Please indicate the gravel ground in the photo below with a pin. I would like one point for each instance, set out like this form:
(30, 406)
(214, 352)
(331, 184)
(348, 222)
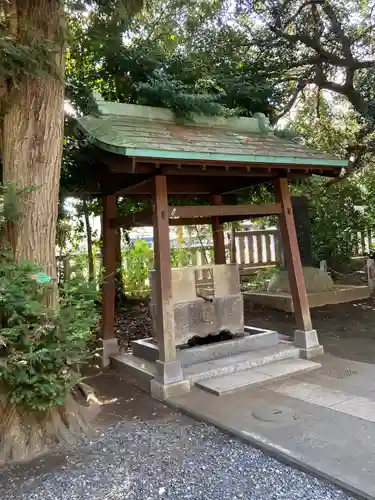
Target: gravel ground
(165, 460)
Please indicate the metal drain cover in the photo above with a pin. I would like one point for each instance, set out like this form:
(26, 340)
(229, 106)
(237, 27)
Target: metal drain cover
(339, 373)
(274, 414)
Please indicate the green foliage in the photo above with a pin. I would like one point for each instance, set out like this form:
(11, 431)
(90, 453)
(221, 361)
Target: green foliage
(316, 43)
(138, 263)
(41, 346)
(28, 45)
(337, 214)
(174, 56)
(167, 92)
(324, 125)
(338, 210)
(18, 59)
(181, 257)
(9, 206)
(258, 282)
(334, 225)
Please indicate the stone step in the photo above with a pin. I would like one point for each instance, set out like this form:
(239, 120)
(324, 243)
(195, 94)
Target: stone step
(254, 338)
(240, 362)
(257, 376)
(138, 371)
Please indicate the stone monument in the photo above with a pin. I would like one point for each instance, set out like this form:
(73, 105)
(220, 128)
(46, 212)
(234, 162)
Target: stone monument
(316, 280)
(301, 214)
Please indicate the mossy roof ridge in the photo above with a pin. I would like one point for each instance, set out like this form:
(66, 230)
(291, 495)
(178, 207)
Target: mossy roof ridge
(143, 131)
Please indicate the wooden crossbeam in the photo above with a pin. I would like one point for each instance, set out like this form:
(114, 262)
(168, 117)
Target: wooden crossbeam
(142, 219)
(137, 219)
(189, 211)
(189, 215)
(176, 185)
(189, 184)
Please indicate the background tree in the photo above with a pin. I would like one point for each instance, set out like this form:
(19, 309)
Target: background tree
(32, 68)
(317, 43)
(332, 204)
(32, 104)
(41, 344)
(172, 57)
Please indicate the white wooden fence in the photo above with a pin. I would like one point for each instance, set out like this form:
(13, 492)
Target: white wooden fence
(261, 248)
(254, 250)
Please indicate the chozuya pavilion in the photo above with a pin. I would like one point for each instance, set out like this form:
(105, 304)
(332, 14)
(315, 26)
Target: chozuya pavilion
(143, 152)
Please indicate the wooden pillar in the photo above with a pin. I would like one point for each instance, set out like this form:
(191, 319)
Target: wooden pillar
(233, 248)
(292, 257)
(305, 337)
(169, 379)
(110, 346)
(163, 274)
(218, 235)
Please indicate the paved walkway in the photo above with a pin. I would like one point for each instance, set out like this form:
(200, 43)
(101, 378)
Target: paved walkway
(323, 422)
(345, 330)
(146, 451)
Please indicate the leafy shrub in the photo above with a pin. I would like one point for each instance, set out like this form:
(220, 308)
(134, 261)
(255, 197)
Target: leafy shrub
(41, 346)
(335, 221)
(138, 263)
(258, 282)
(337, 214)
(181, 257)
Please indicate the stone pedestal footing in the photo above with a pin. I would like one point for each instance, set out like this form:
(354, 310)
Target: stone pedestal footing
(308, 343)
(169, 381)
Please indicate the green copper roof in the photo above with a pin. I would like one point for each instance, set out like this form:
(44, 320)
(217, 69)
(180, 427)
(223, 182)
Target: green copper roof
(142, 131)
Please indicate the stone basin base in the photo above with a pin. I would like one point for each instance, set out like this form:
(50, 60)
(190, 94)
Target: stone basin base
(252, 338)
(283, 301)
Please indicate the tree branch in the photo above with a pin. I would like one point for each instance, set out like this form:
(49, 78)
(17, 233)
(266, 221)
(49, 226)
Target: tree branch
(290, 104)
(337, 29)
(349, 78)
(301, 85)
(323, 53)
(309, 42)
(301, 8)
(358, 102)
(354, 97)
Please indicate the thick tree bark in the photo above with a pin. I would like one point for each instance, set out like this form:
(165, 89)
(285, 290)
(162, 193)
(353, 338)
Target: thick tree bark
(90, 254)
(33, 135)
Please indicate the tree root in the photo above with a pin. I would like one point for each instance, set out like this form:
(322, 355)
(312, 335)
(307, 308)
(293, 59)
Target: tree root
(24, 435)
(88, 392)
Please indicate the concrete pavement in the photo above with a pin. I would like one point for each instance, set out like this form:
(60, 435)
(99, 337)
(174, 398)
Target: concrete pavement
(322, 422)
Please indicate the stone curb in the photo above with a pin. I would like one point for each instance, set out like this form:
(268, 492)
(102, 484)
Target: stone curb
(268, 448)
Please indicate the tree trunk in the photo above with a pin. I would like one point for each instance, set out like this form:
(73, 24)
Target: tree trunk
(32, 138)
(89, 240)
